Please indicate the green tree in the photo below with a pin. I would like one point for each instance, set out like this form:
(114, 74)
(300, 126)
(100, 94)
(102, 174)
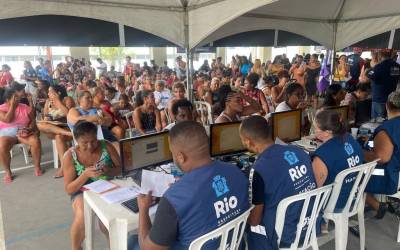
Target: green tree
(112, 54)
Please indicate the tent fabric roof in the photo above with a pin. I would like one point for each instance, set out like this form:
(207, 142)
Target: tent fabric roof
(333, 23)
(75, 31)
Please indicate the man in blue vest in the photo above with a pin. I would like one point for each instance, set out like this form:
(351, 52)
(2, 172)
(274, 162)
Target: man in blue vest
(279, 172)
(384, 76)
(210, 194)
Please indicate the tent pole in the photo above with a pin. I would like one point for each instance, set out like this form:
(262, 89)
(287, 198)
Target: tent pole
(189, 53)
(333, 51)
(189, 74)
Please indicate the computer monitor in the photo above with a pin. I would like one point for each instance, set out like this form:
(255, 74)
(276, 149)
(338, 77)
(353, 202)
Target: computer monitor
(144, 151)
(225, 139)
(287, 125)
(363, 112)
(343, 111)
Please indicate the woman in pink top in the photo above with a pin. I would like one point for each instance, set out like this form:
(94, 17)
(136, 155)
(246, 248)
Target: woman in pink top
(5, 76)
(17, 125)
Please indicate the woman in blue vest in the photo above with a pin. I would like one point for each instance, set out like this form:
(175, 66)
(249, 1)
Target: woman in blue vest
(338, 152)
(387, 149)
(86, 112)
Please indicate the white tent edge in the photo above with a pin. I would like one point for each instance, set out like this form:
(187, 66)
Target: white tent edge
(191, 23)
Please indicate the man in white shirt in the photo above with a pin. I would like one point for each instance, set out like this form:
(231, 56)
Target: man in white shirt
(102, 67)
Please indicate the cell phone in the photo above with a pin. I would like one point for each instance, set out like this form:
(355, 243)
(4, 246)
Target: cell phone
(100, 164)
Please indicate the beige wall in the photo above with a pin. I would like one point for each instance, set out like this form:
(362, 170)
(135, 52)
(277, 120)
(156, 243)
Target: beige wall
(159, 54)
(79, 52)
(222, 53)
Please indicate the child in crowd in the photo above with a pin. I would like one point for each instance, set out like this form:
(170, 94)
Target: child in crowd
(162, 96)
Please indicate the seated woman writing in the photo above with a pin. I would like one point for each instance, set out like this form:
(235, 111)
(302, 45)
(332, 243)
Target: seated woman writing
(386, 148)
(55, 110)
(88, 161)
(232, 105)
(86, 112)
(146, 117)
(17, 125)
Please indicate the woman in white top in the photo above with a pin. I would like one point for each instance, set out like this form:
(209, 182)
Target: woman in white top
(294, 98)
(232, 105)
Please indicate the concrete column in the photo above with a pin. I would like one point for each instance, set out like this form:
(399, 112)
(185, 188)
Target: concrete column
(304, 50)
(159, 54)
(79, 52)
(264, 53)
(221, 51)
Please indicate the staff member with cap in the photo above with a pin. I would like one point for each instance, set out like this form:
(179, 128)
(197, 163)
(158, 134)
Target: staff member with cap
(387, 149)
(194, 205)
(274, 178)
(17, 125)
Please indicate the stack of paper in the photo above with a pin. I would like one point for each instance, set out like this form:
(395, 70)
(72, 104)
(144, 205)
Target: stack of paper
(100, 186)
(120, 195)
(156, 182)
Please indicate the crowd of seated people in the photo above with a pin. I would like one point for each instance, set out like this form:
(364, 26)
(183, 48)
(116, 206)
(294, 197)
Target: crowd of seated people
(72, 107)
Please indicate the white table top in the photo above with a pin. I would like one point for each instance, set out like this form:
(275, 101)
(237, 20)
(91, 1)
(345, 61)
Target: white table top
(108, 212)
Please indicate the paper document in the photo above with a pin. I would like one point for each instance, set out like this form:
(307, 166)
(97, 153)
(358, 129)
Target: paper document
(120, 195)
(157, 182)
(100, 186)
(280, 142)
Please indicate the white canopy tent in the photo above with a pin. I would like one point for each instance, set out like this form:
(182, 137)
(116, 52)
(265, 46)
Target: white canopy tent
(334, 23)
(189, 23)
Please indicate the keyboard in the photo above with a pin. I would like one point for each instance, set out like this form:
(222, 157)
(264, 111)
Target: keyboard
(131, 205)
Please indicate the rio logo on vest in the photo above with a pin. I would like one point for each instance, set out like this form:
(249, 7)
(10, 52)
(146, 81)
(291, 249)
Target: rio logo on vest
(295, 172)
(352, 161)
(227, 204)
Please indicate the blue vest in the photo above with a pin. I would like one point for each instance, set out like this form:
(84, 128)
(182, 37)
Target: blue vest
(91, 111)
(205, 199)
(339, 154)
(388, 184)
(286, 171)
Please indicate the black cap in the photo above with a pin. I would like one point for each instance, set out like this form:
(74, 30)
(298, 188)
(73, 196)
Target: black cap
(17, 86)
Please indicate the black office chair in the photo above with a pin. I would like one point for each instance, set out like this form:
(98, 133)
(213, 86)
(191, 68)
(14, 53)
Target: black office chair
(363, 112)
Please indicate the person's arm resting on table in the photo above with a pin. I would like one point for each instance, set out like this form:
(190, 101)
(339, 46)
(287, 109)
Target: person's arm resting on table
(383, 148)
(258, 201)
(162, 235)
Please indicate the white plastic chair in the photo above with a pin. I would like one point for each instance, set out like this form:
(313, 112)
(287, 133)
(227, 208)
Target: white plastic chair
(129, 119)
(204, 108)
(354, 204)
(99, 135)
(397, 196)
(2, 236)
(313, 201)
(235, 226)
(169, 120)
(24, 151)
(55, 153)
